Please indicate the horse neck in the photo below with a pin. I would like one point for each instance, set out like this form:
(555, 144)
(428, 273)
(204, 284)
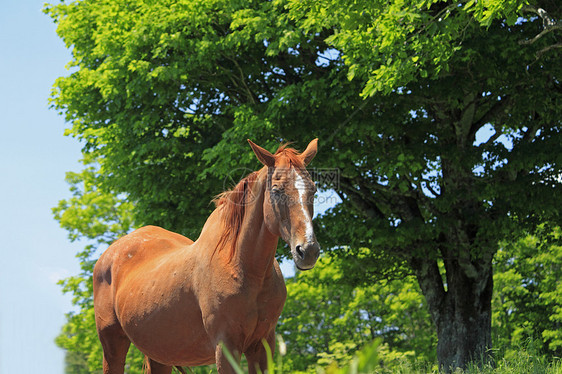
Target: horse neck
(256, 245)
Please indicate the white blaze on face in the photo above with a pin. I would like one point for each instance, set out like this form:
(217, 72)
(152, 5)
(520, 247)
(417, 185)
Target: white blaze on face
(300, 186)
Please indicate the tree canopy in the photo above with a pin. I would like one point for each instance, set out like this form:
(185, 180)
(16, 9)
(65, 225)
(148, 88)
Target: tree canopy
(441, 117)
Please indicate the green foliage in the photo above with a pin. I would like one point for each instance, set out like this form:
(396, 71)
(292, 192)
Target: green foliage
(392, 43)
(326, 320)
(75, 362)
(528, 297)
(93, 213)
(165, 106)
(175, 95)
(364, 361)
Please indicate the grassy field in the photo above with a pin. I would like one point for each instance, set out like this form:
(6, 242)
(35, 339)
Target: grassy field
(522, 365)
(368, 361)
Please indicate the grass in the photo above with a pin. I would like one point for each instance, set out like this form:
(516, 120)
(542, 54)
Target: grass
(367, 361)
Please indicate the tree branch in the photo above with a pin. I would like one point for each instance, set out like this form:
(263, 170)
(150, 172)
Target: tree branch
(546, 49)
(359, 201)
(242, 79)
(531, 132)
(420, 197)
(549, 25)
(427, 184)
(540, 35)
(493, 138)
(497, 108)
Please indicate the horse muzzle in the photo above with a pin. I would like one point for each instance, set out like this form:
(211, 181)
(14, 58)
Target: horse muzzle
(305, 255)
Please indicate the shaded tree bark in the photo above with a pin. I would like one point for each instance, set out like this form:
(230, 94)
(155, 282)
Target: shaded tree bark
(460, 309)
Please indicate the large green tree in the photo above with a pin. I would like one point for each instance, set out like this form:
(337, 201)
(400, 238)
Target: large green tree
(441, 117)
(465, 144)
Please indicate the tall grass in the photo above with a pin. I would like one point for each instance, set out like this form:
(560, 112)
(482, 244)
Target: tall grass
(525, 360)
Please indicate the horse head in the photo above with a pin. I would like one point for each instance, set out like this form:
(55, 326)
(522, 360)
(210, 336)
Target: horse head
(288, 204)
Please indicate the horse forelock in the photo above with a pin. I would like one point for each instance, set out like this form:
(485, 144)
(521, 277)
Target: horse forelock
(291, 154)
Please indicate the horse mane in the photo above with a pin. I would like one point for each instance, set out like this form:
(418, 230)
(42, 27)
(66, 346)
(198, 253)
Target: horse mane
(233, 205)
(233, 202)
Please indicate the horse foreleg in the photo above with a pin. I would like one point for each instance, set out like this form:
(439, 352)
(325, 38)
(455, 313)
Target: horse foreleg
(154, 367)
(223, 365)
(257, 355)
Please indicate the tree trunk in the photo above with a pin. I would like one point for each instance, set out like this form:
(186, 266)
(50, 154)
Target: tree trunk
(464, 320)
(460, 309)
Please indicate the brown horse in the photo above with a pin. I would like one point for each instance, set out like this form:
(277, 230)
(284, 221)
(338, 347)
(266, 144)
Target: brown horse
(180, 301)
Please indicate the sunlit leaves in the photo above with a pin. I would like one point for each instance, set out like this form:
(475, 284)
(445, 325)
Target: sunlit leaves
(326, 320)
(92, 213)
(529, 292)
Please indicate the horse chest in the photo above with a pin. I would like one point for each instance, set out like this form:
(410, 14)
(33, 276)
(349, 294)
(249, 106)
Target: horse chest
(246, 310)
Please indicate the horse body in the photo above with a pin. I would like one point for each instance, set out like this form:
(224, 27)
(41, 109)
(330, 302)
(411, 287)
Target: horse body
(178, 300)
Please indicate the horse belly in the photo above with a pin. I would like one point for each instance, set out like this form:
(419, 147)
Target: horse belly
(177, 352)
(166, 325)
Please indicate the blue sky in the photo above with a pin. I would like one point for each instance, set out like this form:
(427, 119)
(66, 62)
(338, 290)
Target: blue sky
(34, 156)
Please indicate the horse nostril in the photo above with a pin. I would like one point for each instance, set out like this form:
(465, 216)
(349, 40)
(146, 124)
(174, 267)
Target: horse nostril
(299, 251)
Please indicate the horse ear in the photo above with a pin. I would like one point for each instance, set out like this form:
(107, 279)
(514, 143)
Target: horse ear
(309, 152)
(263, 155)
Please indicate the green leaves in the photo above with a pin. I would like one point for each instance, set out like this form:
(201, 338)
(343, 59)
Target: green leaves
(326, 320)
(528, 293)
(487, 11)
(378, 37)
(92, 213)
